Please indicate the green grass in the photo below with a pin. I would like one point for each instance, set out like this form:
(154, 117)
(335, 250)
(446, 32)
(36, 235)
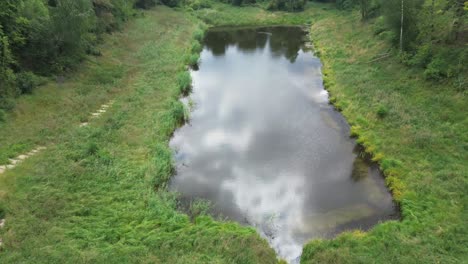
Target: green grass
(184, 80)
(98, 193)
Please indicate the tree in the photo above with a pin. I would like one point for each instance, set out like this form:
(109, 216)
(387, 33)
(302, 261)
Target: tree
(401, 17)
(458, 7)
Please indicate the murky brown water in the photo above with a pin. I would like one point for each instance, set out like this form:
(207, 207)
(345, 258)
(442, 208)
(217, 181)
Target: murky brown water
(266, 148)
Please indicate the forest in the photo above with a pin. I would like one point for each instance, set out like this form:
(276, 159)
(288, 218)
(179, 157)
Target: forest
(96, 189)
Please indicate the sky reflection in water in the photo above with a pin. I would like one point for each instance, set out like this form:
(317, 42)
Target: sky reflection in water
(267, 149)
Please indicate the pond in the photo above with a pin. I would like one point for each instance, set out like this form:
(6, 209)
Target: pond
(267, 149)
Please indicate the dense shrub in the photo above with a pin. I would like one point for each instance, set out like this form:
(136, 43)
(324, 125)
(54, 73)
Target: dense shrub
(145, 3)
(198, 4)
(171, 3)
(382, 111)
(345, 4)
(2, 119)
(286, 5)
(26, 82)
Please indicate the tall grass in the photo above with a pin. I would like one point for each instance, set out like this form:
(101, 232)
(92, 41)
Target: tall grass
(184, 81)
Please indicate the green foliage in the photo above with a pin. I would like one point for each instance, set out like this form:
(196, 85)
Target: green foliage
(382, 111)
(2, 116)
(368, 8)
(196, 47)
(446, 63)
(199, 207)
(26, 82)
(287, 5)
(2, 211)
(436, 70)
(164, 167)
(198, 35)
(345, 4)
(392, 13)
(171, 3)
(198, 4)
(146, 4)
(184, 82)
(193, 60)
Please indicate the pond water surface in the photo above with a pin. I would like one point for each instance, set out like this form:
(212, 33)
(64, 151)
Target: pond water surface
(266, 148)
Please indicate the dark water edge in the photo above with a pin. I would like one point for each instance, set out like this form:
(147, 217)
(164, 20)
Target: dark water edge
(357, 199)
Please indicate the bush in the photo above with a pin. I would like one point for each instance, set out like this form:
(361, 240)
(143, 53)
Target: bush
(382, 111)
(198, 4)
(145, 4)
(422, 57)
(26, 82)
(7, 103)
(379, 25)
(345, 4)
(286, 5)
(170, 3)
(436, 70)
(2, 116)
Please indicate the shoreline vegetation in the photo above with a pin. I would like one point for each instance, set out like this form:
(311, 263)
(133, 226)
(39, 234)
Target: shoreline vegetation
(98, 193)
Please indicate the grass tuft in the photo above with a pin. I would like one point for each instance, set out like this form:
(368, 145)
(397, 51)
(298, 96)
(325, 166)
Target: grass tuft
(184, 82)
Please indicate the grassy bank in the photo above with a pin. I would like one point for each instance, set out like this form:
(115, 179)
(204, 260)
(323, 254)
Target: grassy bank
(96, 195)
(415, 129)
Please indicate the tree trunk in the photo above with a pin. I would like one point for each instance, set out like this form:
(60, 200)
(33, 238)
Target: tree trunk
(401, 26)
(432, 20)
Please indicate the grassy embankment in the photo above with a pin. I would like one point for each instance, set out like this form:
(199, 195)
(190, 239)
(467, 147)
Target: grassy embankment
(97, 195)
(415, 129)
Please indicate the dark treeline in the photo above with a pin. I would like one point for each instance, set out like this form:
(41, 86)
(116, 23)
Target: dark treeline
(45, 37)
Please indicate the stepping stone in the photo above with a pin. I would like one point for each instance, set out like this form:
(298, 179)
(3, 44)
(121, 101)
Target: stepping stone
(10, 166)
(2, 223)
(2, 169)
(84, 124)
(14, 161)
(96, 114)
(102, 111)
(23, 157)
